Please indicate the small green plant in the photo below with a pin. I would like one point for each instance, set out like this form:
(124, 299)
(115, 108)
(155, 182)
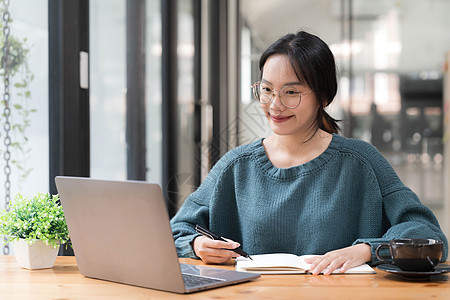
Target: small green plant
(37, 218)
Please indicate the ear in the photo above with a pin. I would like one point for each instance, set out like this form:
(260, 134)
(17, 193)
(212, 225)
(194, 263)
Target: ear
(323, 101)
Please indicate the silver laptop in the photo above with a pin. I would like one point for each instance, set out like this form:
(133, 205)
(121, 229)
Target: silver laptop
(120, 232)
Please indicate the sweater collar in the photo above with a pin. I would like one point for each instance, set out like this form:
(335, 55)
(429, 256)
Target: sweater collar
(263, 161)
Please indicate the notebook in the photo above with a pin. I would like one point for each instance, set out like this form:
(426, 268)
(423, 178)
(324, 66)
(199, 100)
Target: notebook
(120, 232)
(285, 263)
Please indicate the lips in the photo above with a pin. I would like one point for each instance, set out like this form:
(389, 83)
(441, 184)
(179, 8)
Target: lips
(280, 119)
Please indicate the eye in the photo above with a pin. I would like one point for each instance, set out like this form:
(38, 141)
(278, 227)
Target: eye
(290, 92)
(266, 89)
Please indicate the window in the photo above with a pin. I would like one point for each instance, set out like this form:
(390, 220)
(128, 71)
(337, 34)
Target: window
(108, 89)
(28, 101)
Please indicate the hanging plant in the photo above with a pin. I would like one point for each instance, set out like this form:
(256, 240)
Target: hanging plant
(20, 77)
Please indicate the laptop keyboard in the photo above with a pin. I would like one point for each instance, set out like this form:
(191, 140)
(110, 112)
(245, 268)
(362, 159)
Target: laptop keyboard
(196, 280)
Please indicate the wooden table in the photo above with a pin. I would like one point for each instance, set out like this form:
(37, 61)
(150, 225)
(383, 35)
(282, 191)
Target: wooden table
(64, 281)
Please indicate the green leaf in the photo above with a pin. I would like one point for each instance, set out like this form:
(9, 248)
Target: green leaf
(37, 217)
(20, 85)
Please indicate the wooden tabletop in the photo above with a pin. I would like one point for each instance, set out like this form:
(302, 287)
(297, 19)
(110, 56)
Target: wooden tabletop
(64, 281)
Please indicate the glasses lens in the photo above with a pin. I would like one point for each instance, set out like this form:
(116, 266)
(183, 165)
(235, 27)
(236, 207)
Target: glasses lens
(290, 96)
(265, 93)
(256, 91)
(262, 92)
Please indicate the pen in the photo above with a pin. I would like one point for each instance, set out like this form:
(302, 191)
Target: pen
(214, 236)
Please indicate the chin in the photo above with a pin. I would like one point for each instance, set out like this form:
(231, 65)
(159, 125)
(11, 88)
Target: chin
(280, 131)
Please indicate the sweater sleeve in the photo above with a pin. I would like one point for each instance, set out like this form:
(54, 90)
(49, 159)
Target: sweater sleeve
(405, 216)
(195, 210)
(183, 224)
(408, 218)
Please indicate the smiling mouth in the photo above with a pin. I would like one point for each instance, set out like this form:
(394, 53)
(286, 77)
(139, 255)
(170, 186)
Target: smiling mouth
(279, 119)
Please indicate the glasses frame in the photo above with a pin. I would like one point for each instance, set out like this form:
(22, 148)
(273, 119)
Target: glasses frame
(257, 97)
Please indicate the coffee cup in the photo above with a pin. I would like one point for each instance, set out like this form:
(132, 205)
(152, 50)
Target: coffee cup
(418, 255)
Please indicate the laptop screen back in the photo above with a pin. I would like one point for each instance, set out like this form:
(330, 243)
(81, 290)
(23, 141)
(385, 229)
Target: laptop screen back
(120, 232)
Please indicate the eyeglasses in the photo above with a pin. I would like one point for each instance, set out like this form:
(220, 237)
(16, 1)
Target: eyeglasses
(289, 96)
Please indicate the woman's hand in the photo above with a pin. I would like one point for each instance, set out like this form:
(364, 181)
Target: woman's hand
(213, 251)
(344, 259)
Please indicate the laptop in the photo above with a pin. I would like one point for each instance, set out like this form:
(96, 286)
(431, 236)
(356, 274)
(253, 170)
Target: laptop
(120, 232)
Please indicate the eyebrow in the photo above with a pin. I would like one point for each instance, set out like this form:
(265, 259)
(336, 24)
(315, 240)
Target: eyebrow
(289, 83)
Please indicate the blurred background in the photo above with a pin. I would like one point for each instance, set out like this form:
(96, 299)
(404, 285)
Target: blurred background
(159, 90)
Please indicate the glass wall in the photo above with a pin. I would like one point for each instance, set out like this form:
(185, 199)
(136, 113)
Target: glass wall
(396, 99)
(28, 88)
(185, 123)
(108, 89)
(153, 90)
(390, 56)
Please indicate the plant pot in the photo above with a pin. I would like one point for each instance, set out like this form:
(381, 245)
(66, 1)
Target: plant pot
(35, 256)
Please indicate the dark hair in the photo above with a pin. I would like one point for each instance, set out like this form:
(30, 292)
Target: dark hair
(313, 63)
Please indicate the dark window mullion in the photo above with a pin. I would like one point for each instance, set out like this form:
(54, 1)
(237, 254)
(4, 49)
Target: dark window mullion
(169, 98)
(135, 108)
(218, 87)
(198, 86)
(68, 102)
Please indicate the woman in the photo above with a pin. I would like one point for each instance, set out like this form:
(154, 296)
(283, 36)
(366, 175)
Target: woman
(304, 189)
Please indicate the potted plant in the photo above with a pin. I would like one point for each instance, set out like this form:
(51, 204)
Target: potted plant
(37, 228)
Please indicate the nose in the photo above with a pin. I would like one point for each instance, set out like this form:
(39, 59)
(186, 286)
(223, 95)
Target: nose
(276, 100)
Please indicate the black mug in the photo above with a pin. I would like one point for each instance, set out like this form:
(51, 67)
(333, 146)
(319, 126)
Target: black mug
(418, 255)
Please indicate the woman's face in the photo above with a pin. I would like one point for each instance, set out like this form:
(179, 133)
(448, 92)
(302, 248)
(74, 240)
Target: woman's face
(277, 73)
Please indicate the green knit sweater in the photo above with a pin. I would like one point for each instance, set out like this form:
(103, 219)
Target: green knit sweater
(347, 195)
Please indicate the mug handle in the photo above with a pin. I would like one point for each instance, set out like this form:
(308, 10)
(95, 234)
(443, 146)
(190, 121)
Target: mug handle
(432, 264)
(377, 252)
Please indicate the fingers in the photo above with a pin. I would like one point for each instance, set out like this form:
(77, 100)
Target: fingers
(345, 267)
(233, 244)
(327, 263)
(342, 259)
(213, 251)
